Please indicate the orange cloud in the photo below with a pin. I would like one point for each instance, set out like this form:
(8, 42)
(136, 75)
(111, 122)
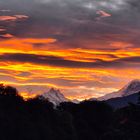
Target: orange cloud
(7, 35)
(70, 80)
(102, 14)
(13, 18)
(121, 44)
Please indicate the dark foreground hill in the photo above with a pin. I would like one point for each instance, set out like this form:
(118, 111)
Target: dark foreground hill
(121, 102)
(37, 119)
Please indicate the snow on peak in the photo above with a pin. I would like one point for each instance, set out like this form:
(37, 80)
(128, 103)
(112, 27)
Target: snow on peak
(131, 88)
(55, 96)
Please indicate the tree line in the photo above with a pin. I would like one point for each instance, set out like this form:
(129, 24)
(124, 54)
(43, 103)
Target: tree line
(38, 119)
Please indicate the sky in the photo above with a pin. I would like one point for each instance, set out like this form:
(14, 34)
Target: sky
(85, 48)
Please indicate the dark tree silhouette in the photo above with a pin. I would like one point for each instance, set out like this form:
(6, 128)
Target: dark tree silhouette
(38, 119)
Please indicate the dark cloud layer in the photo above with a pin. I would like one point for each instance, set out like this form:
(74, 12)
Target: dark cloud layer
(74, 23)
(61, 62)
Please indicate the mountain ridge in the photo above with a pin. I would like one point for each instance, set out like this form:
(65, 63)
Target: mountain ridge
(56, 97)
(131, 88)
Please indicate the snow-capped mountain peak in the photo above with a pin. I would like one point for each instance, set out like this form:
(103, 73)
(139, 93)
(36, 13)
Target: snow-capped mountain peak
(131, 88)
(55, 96)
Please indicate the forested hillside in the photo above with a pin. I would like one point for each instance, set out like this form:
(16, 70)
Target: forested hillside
(37, 119)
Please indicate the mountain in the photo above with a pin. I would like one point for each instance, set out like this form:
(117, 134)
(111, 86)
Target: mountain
(55, 96)
(124, 101)
(121, 97)
(131, 88)
(75, 101)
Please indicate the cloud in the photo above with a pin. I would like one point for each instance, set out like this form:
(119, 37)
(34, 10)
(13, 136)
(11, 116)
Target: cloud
(63, 44)
(74, 22)
(61, 62)
(102, 14)
(90, 4)
(5, 10)
(6, 36)
(1, 29)
(13, 18)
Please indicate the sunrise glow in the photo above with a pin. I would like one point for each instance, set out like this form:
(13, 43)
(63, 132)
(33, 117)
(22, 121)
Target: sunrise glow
(87, 53)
